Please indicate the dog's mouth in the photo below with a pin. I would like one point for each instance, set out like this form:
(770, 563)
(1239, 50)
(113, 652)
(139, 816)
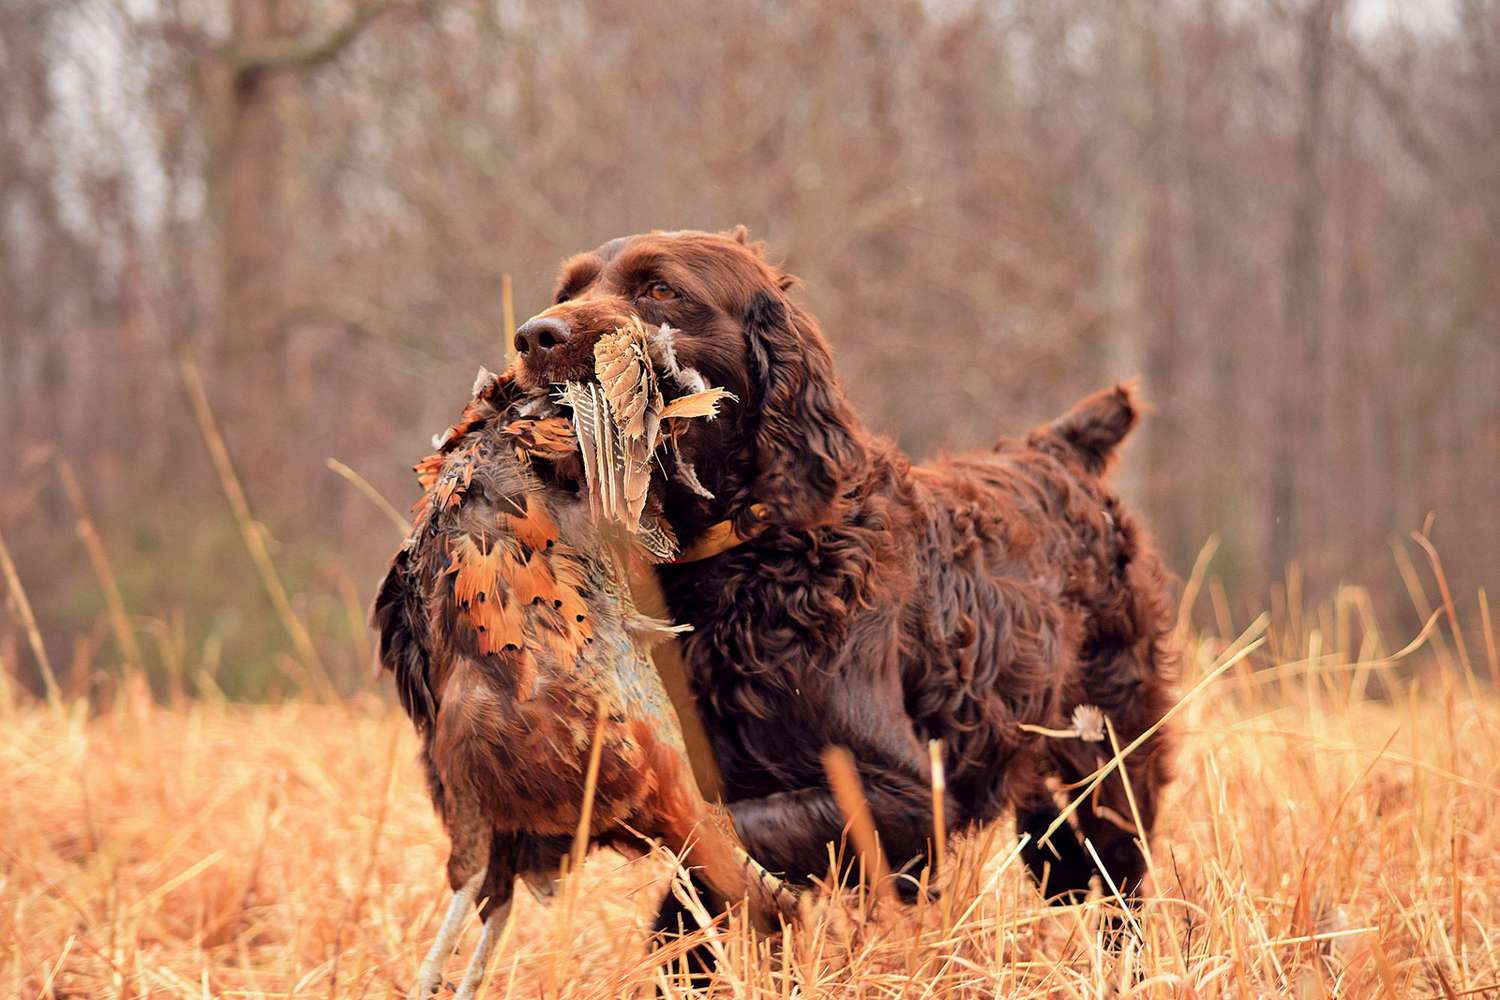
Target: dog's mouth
(552, 401)
(541, 376)
(540, 404)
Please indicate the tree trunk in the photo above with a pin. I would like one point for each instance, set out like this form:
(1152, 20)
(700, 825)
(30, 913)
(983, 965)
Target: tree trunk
(1295, 516)
(1159, 295)
(247, 185)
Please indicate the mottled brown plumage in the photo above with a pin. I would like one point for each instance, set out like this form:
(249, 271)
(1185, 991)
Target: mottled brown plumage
(509, 629)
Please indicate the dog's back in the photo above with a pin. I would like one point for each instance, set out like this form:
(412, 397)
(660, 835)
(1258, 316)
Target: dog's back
(1049, 597)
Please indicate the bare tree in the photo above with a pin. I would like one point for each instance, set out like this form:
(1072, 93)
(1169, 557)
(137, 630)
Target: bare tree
(1290, 225)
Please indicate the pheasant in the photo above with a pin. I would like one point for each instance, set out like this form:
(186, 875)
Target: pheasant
(507, 622)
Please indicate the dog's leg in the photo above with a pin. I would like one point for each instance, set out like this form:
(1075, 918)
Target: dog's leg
(1059, 865)
(674, 921)
(789, 832)
(1117, 821)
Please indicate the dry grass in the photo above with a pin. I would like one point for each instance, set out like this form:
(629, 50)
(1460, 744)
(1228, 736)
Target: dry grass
(1335, 832)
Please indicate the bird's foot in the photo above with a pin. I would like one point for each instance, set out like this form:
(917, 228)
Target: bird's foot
(494, 927)
(430, 973)
(427, 984)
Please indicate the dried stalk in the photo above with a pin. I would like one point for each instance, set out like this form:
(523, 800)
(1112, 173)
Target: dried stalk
(28, 622)
(508, 317)
(255, 542)
(843, 778)
(371, 493)
(125, 641)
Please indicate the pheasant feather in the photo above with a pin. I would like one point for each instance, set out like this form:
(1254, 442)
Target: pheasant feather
(618, 421)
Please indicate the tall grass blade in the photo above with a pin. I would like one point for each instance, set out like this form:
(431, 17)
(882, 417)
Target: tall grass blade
(250, 531)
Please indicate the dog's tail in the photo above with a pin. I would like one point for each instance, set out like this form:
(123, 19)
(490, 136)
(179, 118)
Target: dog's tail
(1096, 425)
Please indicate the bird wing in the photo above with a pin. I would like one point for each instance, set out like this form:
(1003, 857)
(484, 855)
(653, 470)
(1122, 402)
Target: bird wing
(622, 364)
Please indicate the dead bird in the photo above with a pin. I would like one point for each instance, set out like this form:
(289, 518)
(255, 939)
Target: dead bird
(507, 622)
(625, 430)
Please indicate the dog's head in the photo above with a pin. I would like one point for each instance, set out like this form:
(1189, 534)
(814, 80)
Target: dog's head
(792, 441)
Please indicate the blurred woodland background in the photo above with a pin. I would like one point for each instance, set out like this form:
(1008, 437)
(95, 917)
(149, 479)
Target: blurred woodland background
(1284, 214)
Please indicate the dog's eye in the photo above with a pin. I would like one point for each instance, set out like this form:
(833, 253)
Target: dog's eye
(661, 291)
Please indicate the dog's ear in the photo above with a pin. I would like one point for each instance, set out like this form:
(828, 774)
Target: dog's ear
(808, 441)
(741, 235)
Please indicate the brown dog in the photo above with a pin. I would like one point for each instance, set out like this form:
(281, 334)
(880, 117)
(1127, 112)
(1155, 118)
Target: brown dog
(840, 595)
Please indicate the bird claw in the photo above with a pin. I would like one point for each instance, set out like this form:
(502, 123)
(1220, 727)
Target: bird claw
(427, 984)
(474, 974)
(430, 973)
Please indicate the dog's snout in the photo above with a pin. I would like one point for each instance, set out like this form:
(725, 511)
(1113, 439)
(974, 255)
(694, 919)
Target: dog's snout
(540, 334)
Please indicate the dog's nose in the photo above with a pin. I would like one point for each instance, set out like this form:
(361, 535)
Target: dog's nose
(541, 334)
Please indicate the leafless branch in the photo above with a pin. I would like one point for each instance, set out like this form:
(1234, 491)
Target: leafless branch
(312, 49)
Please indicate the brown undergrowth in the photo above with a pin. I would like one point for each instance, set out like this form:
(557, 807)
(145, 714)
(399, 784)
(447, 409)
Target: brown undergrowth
(1334, 831)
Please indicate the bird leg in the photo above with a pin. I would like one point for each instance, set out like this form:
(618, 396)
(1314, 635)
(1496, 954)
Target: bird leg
(430, 973)
(495, 926)
(726, 868)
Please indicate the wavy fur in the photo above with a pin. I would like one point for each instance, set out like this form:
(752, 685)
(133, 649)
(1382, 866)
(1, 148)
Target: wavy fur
(885, 604)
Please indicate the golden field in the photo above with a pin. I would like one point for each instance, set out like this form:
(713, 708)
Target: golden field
(1334, 831)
